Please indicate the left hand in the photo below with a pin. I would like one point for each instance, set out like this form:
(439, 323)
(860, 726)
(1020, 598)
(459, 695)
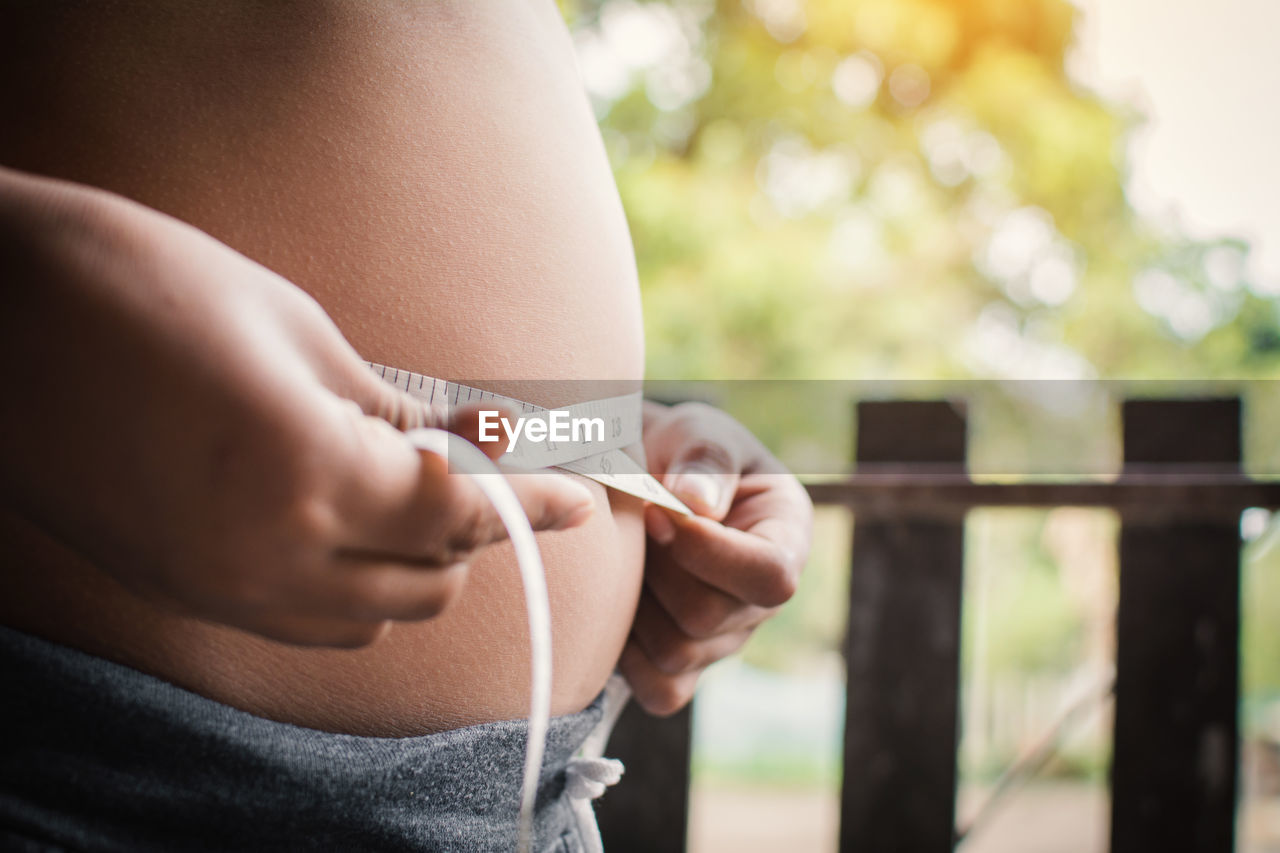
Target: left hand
(710, 578)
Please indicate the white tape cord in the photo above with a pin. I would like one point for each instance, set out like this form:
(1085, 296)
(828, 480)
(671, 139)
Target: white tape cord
(606, 463)
(468, 459)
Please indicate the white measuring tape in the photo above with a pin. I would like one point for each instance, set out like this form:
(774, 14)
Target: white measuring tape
(470, 460)
(602, 461)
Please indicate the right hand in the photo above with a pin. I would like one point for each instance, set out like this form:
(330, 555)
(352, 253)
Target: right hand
(197, 427)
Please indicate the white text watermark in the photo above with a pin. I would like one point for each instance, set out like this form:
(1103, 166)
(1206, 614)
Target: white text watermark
(554, 425)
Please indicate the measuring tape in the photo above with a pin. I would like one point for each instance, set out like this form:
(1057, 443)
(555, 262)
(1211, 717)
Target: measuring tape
(604, 461)
(469, 460)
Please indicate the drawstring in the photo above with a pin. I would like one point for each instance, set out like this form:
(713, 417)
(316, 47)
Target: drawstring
(468, 458)
(587, 778)
(589, 773)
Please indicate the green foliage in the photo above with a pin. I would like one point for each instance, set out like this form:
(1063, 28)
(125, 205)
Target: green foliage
(908, 189)
(1015, 594)
(836, 189)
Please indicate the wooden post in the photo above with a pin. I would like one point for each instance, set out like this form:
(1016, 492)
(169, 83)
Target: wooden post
(903, 645)
(649, 810)
(1173, 774)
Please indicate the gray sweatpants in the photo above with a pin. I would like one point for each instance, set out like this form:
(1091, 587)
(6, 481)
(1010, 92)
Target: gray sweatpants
(97, 756)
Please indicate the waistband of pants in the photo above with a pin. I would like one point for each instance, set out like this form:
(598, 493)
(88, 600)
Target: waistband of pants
(97, 755)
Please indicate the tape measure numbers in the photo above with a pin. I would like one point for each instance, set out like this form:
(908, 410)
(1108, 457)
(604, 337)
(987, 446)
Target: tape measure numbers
(604, 461)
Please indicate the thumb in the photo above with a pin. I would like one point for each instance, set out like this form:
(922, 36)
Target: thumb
(381, 397)
(705, 477)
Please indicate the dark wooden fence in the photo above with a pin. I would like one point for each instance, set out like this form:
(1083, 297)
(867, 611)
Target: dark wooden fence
(1173, 775)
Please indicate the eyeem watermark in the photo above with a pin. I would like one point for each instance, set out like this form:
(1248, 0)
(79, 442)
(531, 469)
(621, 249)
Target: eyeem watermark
(555, 425)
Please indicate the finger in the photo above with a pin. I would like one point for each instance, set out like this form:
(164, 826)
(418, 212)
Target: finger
(450, 519)
(334, 633)
(698, 609)
(704, 474)
(754, 566)
(669, 649)
(658, 693)
(780, 499)
(384, 396)
(399, 504)
(387, 394)
(658, 524)
(554, 501)
(340, 590)
(304, 630)
(378, 591)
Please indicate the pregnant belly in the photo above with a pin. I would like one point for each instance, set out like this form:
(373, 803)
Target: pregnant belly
(432, 174)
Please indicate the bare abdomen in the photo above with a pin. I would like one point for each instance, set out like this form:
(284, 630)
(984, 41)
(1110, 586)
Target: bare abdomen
(432, 175)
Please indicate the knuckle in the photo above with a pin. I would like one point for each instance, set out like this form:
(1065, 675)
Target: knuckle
(703, 619)
(371, 594)
(545, 514)
(778, 588)
(469, 529)
(447, 589)
(708, 451)
(666, 696)
(382, 595)
(386, 406)
(677, 657)
(466, 534)
(310, 519)
(400, 410)
(287, 485)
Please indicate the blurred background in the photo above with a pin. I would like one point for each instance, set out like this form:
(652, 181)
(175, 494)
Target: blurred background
(944, 190)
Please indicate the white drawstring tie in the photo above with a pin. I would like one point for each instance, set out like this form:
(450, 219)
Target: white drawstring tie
(469, 459)
(589, 774)
(587, 778)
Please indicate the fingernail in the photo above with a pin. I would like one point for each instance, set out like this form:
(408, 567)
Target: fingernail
(697, 488)
(660, 528)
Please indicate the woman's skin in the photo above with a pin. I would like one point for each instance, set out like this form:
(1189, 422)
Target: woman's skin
(431, 174)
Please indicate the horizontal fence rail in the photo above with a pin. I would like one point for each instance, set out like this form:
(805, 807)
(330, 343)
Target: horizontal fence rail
(1152, 494)
(1175, 750)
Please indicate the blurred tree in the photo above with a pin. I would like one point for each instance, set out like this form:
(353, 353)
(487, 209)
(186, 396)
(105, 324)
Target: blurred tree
(895, 188)
(904, 189)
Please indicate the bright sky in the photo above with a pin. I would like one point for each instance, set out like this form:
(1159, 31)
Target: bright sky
(1207, 75)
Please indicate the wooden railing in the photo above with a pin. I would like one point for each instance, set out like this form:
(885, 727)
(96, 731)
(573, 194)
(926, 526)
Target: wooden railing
(1174, 766)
